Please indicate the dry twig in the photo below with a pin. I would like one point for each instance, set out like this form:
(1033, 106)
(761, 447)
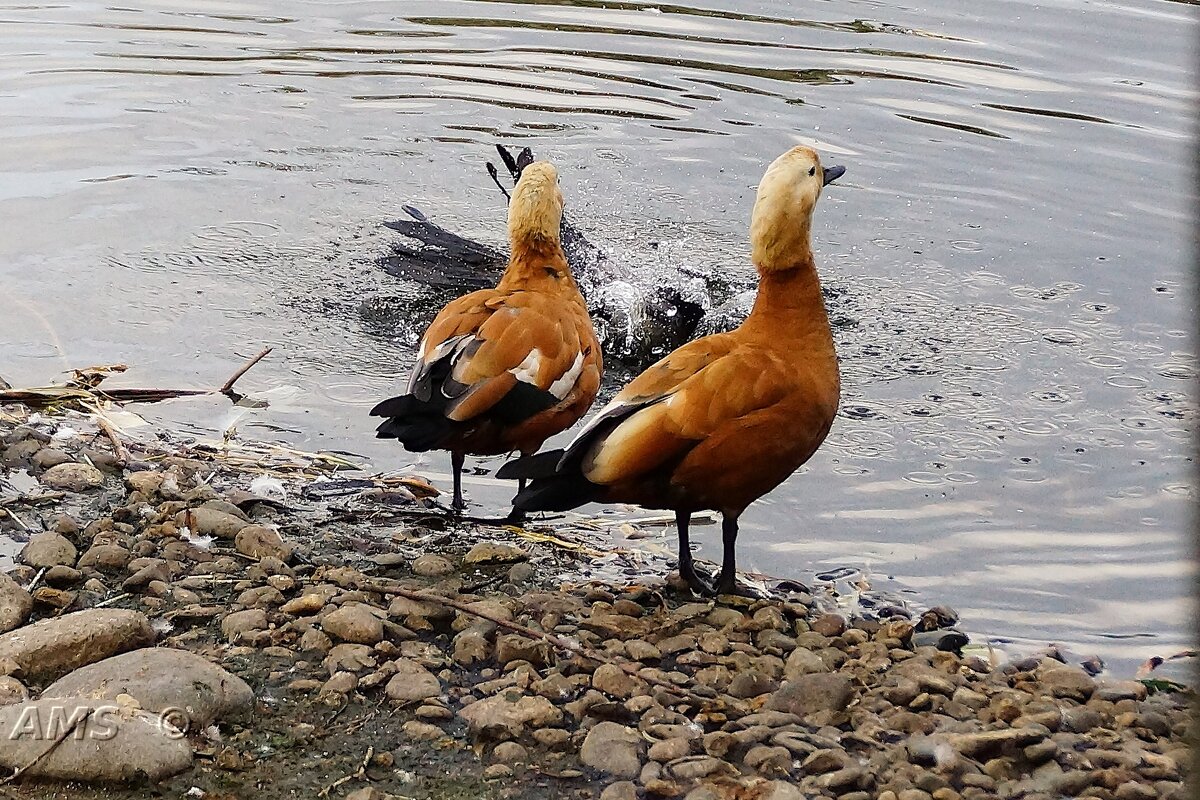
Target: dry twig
(119, 449)
(361, 772)
(227, 388)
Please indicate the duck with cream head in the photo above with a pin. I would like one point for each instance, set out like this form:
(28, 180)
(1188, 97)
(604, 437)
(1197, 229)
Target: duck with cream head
(725, 419)
(503, 369)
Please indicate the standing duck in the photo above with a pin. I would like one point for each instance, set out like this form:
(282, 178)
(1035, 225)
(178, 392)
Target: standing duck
(725, 419)
(502, 370)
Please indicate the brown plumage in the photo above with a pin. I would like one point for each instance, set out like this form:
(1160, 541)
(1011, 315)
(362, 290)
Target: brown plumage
(723, 420)
(501, 370)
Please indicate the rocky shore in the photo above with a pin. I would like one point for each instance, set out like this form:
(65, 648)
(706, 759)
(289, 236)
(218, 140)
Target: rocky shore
(186, 625)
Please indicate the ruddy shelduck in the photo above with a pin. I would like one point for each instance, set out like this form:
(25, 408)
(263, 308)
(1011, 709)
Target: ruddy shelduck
(502, 370)
(725, 419)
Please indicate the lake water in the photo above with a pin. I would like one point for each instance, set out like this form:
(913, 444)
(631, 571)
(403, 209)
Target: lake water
(1008, 254)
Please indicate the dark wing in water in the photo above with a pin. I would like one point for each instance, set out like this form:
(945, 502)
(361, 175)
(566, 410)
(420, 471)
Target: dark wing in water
(435, 257)
(447, 263)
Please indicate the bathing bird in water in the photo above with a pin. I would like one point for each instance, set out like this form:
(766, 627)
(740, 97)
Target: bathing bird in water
(725, 419)
(502, 370)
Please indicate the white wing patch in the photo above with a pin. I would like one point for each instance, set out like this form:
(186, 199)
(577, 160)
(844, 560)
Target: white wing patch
(451, 347)
(527, 370)
(614, 406)
(564, 384)
(441, 349)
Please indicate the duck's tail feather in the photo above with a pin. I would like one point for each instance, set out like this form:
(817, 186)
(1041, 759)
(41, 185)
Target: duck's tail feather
(553, 486)
(560, 492)
(409, 420)
(542, 465)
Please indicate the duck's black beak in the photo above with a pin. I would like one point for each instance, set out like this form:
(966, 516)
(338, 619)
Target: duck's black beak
(832, 173)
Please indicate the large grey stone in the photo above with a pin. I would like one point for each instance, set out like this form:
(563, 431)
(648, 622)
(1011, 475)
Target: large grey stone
(48, 649)
(161, 678)
(107, 743)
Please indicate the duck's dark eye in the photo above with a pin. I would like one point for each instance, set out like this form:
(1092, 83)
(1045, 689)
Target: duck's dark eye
(812, 171)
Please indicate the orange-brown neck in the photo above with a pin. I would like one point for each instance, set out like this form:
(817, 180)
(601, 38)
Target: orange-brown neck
(789, 304)
(537, 263)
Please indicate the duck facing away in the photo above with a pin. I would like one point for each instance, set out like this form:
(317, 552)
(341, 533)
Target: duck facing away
(501, 370)
(725, 419)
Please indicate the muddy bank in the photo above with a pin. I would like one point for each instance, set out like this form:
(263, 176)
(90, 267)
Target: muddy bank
(217, 622)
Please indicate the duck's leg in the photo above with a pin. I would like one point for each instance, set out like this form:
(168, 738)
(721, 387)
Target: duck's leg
(517, 516)
(687, 566)
(456, 464)
(727, 580)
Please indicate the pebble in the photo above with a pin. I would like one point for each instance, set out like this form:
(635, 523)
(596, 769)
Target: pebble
(510, 753)
(613, 749)
(73, 477)
(767, 760)
(304, 605)
(314, 640)
(260, 541)
(802, 661)
(104, 557)
(751, 684)
(350, 657)
(432, 712)
(208, 521)
(340, 683)
(12, 691)
(239, 623)
(497, 772)
(48, 549)
(49, 457)
(354, 622)
(502, 716)
(1068, 682)
(422, 730)
(670, 749)
(616, 682)
(15, 604)
(808, 694)
(412, 682)
(431, 566)
(829, 625)
(493, 553)
(620, 790)
(514, 647)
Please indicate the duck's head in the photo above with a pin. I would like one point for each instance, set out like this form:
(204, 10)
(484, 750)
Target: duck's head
(787, 194)
(536, 208)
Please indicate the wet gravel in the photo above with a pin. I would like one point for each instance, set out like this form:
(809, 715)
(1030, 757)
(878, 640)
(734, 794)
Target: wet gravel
(424, 658)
